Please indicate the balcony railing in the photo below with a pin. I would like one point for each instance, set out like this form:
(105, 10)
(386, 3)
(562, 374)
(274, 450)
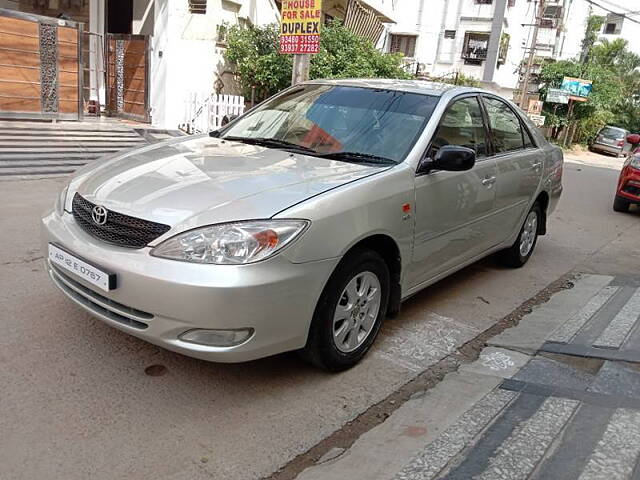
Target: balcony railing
(510, 3)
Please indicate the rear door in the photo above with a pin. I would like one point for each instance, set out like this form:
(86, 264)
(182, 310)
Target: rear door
(519, 163)
(453, 209)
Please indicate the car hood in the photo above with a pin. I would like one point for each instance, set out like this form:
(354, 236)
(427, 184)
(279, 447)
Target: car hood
(201, 180)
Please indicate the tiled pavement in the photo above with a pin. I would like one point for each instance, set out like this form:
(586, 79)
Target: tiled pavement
(555, 398)
(43, 148)
(571, 412)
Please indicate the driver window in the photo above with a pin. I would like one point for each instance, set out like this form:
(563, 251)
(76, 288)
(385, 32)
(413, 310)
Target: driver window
(462, 125)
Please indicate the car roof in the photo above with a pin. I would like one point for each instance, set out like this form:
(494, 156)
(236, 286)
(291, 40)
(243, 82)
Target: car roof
(413, 86)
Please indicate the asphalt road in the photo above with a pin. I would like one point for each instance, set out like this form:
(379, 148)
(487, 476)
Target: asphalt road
(77, 400)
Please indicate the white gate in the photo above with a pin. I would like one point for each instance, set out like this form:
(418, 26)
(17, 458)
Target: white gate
(204, 113)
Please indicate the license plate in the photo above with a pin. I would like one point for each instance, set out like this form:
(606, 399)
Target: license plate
(96, 276)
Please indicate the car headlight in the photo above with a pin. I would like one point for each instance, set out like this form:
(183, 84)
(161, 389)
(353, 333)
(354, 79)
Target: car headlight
(234, 243)
(61, 200)
(635, 161)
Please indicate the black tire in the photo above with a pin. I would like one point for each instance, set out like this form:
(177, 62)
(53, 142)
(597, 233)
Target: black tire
(321, 349)
(511, 257)
(621, 204)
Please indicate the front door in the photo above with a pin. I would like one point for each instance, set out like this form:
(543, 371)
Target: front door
(453, 210)
(519, 163)
(128, 76)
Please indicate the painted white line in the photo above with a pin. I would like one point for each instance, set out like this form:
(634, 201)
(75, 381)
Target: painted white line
(618, 330)
(616, 454)
(565, 332)
(519, 454)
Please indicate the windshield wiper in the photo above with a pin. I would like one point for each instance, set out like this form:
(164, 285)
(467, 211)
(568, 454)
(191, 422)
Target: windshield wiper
(355, 157)
(270, 143)
(358, 157)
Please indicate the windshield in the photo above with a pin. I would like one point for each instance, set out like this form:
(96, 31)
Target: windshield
(327, 119)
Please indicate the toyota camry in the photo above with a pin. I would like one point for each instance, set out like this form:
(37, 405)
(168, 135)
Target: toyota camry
(305, 222)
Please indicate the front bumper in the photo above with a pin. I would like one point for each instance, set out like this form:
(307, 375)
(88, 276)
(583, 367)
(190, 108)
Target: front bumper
(158, 300)
(629, 184)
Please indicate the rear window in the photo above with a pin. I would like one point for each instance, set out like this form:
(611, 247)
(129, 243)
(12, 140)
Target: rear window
(612, 132)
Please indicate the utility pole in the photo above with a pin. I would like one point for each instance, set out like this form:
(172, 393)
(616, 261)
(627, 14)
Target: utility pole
(524, 95)
(301, 63)
(493, 48)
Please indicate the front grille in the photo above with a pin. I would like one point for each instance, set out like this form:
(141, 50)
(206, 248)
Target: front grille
(119, 229)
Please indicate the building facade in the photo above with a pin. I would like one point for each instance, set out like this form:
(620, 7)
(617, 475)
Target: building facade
(441, 38)
(143, 59)
(452, 37)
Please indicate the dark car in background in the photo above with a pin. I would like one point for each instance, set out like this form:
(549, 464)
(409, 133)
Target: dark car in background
(611, 140)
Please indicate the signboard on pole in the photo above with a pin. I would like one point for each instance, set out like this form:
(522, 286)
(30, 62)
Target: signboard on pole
(300, 26)
(576, 87)
(556, 95)
(535, 107)
(538, 120)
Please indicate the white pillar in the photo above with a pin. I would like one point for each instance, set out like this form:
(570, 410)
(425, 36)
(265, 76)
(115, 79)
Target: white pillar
(97, 46)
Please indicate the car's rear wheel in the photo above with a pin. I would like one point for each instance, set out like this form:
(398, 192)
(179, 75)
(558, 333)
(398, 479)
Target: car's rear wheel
(621, 204)
(349, 313)
(520, 252)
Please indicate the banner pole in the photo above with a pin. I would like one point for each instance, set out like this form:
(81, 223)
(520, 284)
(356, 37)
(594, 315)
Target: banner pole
(301, 63)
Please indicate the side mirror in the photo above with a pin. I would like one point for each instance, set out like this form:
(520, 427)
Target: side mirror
(633, 139)
(450, 158)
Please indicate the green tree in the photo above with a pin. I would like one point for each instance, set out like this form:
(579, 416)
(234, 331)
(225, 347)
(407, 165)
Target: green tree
(343, 54)
(615, 98)
(254, 52)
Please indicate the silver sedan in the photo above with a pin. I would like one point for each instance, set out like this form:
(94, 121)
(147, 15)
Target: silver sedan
(303, 223)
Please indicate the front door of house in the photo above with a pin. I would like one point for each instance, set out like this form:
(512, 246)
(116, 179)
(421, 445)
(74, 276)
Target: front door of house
(128, 76)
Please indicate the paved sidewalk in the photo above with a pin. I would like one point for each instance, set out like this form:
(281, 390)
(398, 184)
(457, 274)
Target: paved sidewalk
(556, 397)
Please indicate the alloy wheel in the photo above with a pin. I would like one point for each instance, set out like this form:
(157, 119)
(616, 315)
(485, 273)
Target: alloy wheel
(529, 232)
(356, 312)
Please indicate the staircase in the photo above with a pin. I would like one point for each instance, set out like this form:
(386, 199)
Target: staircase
(48, 149)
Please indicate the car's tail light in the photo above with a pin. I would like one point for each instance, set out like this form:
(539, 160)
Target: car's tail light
(621, 143)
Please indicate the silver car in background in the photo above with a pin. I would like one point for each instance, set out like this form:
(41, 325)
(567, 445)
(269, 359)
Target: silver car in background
(303, 223)
(611, 140)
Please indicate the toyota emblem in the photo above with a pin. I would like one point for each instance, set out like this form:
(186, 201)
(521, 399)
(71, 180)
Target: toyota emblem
(99, 215)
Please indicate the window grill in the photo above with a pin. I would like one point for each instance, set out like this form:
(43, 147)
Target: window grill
(198, 6)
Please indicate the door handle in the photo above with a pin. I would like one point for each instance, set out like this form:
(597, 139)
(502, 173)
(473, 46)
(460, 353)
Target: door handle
(536, 166)
(488, 181)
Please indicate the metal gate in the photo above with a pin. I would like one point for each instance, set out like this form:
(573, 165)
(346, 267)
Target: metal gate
(40, 61)
(128, 76)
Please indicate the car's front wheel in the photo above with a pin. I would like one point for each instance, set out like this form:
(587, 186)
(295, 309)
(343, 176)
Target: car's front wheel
(621, 204)
(350, 312)
(520, 252)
